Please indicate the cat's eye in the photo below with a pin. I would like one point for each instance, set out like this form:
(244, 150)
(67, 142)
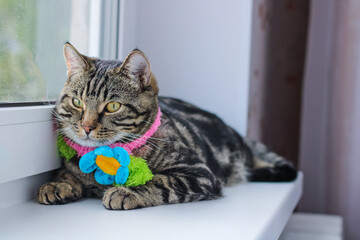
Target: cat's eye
(77, 103)
(112, 106)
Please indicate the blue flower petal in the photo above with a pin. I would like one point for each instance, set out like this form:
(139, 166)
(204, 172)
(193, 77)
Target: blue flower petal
(87, 162)
(122, 156)
(105, 151)
(103, 178)
(122, 175)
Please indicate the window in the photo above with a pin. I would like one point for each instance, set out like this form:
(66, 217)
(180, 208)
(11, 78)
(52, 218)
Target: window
(33, 71)
(32, 33)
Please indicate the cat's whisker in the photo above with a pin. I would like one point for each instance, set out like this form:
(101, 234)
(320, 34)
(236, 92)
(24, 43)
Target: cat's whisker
(125, 140)
(147, 146)
(149, 142)
(154, 138)
(148, 123)
(159, 139)
(137, 140)
(143, 145)
(56, 115)
(157, 147)
(48, 103)
(52, 110)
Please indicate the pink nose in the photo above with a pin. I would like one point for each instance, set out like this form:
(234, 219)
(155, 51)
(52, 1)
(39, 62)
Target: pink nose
(88, 129)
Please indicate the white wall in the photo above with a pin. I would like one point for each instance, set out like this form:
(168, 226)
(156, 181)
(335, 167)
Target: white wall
(199, 50)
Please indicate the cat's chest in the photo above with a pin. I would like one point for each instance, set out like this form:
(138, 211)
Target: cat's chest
(86, 179)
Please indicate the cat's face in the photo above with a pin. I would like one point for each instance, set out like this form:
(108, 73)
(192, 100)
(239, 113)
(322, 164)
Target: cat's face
(106, 101)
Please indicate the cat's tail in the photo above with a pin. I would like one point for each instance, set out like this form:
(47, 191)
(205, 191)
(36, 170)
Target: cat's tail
(268, 166)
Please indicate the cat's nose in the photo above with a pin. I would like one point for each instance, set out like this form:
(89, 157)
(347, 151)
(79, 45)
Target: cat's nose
(88, 129)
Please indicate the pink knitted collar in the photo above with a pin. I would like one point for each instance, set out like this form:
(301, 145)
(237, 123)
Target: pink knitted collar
(129, 147)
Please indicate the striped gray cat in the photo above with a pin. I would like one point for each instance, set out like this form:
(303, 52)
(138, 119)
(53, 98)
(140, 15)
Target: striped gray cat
(192, 155)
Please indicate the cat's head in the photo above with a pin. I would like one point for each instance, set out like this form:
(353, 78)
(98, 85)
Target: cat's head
(106, 101)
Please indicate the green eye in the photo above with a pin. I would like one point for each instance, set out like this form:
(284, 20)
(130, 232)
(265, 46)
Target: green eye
(77, 103)
(112, 106)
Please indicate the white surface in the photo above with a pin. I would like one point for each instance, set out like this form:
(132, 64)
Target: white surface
(21, 115)
(248, 211)
(199, 51)
(27, 137)
(21, 190)
(308, 226)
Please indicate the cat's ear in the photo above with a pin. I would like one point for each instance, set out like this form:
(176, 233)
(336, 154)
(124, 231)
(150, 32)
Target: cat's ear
(136, 65)
(75, 62)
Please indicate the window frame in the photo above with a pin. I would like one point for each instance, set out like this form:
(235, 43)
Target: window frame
(28, 142)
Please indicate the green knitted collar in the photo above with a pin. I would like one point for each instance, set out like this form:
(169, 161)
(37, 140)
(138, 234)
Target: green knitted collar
(65, 150)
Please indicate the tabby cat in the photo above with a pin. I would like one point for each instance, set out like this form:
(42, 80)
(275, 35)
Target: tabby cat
(192, 155)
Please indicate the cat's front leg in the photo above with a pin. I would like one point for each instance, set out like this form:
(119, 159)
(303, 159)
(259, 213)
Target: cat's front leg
(66, 188)
(162, 189)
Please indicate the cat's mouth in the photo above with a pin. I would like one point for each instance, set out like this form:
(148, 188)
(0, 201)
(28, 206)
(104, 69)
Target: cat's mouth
(86, 140)
(89, 142)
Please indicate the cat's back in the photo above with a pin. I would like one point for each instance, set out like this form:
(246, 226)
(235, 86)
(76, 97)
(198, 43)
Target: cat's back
(217, 144)
(190, 115)
(197, 122)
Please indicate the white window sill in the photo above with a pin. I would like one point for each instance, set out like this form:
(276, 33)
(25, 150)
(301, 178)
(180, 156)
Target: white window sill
(248, 211)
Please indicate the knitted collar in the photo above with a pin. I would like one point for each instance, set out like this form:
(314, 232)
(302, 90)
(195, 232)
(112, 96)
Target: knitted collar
(129, 147)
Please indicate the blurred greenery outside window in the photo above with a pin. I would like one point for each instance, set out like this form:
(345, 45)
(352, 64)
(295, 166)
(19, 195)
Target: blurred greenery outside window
(32, 34)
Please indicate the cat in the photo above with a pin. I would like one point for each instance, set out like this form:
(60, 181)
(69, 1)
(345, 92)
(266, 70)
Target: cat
(193, 154)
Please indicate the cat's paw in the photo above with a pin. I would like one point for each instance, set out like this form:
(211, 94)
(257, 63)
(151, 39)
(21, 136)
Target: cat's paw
(56, 193)
(121, 198)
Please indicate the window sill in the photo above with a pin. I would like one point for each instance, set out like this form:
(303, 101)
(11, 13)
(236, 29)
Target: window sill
(247, 211)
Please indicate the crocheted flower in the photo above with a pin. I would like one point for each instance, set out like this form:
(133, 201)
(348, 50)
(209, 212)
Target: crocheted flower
(110, 164)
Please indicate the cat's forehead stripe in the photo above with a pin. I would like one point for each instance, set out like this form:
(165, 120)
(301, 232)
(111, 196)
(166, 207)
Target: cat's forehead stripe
(101, 86)
(97, 84)
(105, 93)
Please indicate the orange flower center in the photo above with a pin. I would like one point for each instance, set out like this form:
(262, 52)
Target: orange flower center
(108, 165)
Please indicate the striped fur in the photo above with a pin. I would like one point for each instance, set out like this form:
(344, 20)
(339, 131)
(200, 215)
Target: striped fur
(192, 155)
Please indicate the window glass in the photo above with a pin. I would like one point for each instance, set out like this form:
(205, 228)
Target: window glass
(32, 34)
